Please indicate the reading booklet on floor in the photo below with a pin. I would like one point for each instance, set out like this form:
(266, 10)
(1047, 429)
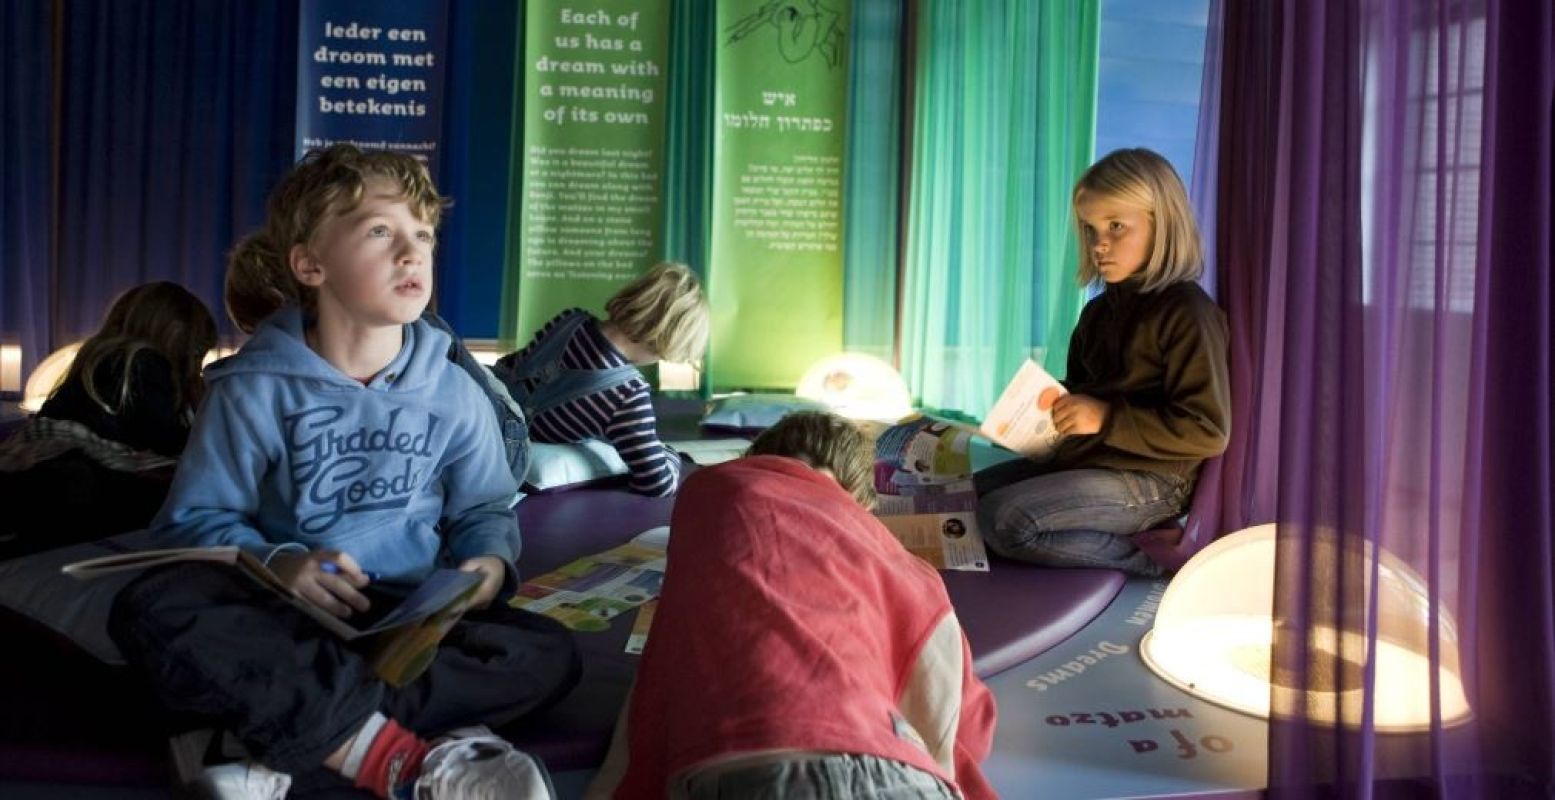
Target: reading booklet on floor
(1022, 419)
(407, 631)
(923, 472)
(587, 593)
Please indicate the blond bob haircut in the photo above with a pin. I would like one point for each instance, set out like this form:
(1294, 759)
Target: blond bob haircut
(824, 441)
(1143, 179)
(324, 186)
(665, 310)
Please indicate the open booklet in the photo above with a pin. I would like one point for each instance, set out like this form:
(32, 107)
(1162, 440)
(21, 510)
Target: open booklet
(406, 632)
(1022, 419)
(923, 471)
(586, 594)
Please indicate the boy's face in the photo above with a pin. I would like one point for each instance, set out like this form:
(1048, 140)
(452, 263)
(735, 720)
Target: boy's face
(373, 264)
(1118, 235)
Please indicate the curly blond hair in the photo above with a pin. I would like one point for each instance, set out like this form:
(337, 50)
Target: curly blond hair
(326, 184)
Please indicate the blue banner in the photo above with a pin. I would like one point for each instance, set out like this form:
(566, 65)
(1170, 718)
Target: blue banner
(370, 73)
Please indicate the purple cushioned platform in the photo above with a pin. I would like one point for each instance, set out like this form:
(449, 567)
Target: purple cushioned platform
(1016, 611)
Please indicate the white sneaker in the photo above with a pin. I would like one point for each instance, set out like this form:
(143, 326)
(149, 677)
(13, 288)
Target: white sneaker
(211, 765)
(240, 780)
(476, 764)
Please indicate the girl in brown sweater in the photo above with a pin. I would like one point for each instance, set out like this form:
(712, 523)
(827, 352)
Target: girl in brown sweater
(1148, 398)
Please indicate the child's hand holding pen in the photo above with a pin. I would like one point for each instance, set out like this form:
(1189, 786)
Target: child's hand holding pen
(334, 568)
(329, 579)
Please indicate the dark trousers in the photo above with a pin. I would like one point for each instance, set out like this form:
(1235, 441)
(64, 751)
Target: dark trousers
(70, 499)
(218, 648)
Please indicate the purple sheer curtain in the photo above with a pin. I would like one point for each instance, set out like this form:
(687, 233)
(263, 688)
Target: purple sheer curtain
(1383, 228)
(1384, 245)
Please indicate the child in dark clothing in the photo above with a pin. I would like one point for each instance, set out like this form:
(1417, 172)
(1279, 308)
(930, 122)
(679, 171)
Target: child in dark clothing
(96, 459)
(1148, 393)
(341, 441)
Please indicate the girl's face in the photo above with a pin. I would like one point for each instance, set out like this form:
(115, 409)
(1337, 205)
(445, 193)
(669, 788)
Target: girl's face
(1118, 235)
(373, 264)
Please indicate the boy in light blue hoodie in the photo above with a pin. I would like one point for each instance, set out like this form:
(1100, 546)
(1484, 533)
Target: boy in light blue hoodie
(342, 442)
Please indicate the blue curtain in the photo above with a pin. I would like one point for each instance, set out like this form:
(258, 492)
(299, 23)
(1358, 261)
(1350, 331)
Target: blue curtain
(476, 155)
(176, 118)
(26, 185)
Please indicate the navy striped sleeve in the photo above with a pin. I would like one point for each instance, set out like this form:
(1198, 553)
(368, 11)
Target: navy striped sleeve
(633, 431)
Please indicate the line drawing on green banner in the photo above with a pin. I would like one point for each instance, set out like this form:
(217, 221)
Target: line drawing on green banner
(803, 30)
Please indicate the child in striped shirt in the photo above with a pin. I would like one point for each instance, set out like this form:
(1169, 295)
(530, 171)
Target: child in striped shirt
(578, 379)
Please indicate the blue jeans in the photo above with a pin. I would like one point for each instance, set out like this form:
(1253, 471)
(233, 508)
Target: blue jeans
(1074, 517)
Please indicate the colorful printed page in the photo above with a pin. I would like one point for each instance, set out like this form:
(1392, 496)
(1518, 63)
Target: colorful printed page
(939, 527)
(923, 470)
(921, 451)
(1022, 420)
(587, 593)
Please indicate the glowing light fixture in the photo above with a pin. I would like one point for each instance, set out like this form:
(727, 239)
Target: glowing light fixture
(857, 386)
(1214, 632)
(47, 376)
(10, 368)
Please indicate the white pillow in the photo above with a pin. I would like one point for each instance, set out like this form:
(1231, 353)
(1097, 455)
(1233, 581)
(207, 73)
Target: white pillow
(552, 466)
(755, 410)
(34, 587)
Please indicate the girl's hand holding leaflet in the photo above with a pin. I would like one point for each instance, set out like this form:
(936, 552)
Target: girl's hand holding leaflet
(492, 570)
(327, 578)
(1077, 414)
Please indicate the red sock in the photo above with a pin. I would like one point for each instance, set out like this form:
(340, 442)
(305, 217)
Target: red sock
(393, 760)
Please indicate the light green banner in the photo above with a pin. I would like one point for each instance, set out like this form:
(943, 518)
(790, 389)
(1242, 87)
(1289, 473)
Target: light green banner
(775, 271)
(592, 151)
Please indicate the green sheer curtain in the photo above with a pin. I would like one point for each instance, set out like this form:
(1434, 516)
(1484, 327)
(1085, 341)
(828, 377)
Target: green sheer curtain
(1003, 124)
(687, 136)
(871, 195)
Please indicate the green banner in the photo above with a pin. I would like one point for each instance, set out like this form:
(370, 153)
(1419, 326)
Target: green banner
(775, 271)
(592, 151)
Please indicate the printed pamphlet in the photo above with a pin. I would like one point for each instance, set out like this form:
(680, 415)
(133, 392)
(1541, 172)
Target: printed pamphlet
(587, 593)
(1022, 419)
(923, 479)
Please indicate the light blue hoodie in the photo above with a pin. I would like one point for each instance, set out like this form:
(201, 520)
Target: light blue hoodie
(405, 474)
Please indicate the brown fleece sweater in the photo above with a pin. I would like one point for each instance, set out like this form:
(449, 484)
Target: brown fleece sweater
(1158, 360)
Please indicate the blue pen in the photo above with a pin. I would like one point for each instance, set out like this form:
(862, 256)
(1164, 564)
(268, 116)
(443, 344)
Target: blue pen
(334, 569)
